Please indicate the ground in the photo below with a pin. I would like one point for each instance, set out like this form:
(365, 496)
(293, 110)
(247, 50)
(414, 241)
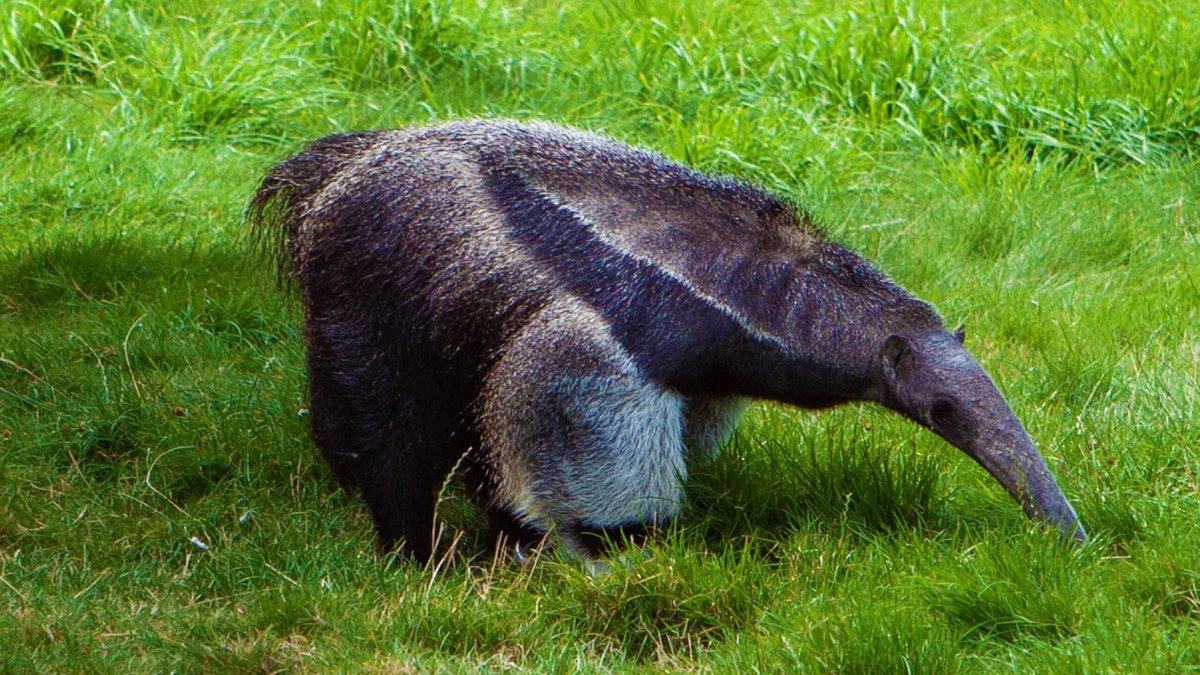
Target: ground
(1030, 168)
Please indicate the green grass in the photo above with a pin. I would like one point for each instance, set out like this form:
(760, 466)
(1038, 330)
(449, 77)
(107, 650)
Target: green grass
(1031, 168)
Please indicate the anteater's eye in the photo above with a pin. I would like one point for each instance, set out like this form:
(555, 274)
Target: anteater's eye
(942, 411)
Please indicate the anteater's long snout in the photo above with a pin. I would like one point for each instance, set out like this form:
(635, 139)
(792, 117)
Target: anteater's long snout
(1011, 457)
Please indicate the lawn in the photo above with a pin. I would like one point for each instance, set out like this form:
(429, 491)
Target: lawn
(1030, 168)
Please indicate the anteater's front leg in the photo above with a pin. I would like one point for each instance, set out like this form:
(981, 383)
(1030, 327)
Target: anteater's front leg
(711, 422)
(579, 440)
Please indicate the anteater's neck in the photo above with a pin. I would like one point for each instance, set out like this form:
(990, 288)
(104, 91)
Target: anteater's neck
(822, 348)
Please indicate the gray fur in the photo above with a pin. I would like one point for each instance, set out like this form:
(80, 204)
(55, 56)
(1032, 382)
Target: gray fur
(565, 382)
(582, 317)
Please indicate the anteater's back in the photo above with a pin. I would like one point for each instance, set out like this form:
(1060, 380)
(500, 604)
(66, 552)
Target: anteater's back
(484, 220)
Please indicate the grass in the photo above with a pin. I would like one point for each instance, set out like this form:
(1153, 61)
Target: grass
(1031, 168)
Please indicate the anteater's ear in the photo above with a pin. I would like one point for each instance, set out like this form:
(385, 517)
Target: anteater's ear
(960, 333)
(896, 355)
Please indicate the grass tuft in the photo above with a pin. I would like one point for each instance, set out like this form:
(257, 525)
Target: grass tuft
(372, 43)
(668, 604)
(65, 41)
(873, 640)
(1008, 590)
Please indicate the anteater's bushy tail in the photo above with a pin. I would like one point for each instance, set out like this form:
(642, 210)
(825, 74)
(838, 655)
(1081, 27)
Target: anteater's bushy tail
(285, 198)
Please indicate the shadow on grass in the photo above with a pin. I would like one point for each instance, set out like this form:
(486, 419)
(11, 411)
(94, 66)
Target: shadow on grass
(762, 487)
(110, 269)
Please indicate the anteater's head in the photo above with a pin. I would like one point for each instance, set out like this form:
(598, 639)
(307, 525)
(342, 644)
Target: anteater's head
(932, 379)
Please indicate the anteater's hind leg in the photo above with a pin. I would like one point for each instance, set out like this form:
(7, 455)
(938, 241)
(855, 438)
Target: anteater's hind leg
(388, 423)
(581, 442)
(331, 412)
(412, 443)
